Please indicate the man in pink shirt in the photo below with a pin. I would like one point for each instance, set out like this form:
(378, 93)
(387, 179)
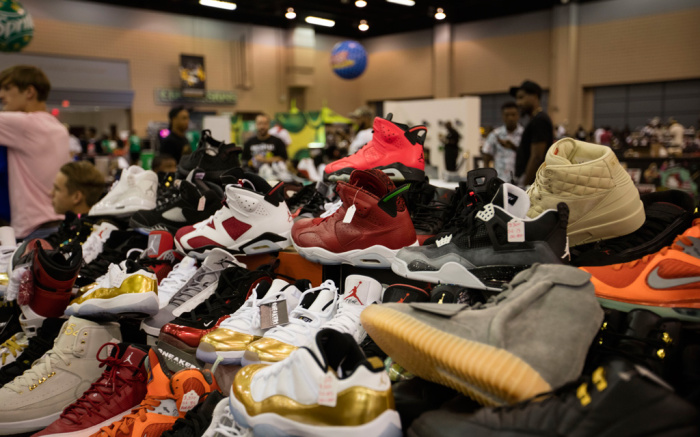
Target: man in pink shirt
(38, 146)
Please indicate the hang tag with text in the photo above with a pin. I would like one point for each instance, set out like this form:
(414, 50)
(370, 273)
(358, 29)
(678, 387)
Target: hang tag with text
(273, 314)
(189, 401)
(202, 203)
(516, 231)
(328, 391)
(349, 214)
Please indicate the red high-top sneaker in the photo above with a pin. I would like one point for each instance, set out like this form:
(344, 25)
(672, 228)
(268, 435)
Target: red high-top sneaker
(367, 230)
(395, 149)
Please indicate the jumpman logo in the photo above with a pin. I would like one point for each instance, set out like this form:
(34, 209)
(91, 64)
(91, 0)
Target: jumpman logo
(354, 293)
(403, 298)
(153, 244)
(128, 359)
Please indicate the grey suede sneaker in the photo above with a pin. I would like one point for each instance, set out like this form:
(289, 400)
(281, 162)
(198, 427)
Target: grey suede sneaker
(530, 338)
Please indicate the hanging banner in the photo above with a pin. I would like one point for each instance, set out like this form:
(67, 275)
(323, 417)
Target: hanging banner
(192, 76)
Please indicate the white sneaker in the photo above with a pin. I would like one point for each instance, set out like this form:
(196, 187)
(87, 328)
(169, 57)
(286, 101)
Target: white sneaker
(12, 348)
(94, 244)
(360, 292)
(136, 190)
(316, 307)
(266, 172)
(176, 279)
(222, 423)
(126, 288)
(321, 381)
(603, 201)
(307, 164)
(35, 399)
(254, 219)
(230, 339)
(195, 291)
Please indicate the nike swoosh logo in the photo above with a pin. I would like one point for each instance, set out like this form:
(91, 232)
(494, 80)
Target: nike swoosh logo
(658, 283)
(206, 325)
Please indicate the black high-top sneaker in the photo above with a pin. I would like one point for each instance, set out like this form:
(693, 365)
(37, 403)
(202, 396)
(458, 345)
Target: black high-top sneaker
(72, 230)
(9, 319)
(114, 251)
(619, 399)
(212, 156)
(167, 187)
(427, 207)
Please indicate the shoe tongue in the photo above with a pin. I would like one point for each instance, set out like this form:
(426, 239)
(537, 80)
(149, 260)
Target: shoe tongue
(69, 334)
(361, 290)
(219, 258)
(159, 242)
(513, 200)
(375, 181)
(158, 376)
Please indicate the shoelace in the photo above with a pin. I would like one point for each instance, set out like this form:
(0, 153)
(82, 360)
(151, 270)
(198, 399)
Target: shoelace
(108, 385)
(139, 413)
(93, 245)
(37, 347)
(297, 326)
(646, 258)
(331, 209)
(13, 346)
(41, 370)
(217, 299)
(199, 283)
(177, 277)
(346, 318)
(227, 425)
(248, 315)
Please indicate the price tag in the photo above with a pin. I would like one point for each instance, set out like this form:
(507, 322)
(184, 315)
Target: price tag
(328, 392)
(273, 314)
(516, 231)
(202, 202)
(189, 401)
(349, 214)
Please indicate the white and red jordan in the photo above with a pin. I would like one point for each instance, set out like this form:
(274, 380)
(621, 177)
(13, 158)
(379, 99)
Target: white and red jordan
(360, 292)
(395, 149)
(254, 219)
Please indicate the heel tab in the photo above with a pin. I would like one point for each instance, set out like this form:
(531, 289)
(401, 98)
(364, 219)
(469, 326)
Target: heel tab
(389, 203)
(417, 135)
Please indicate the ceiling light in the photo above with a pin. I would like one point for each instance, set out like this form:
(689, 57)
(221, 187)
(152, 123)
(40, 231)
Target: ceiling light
(363, 25)
(290, 14)
(403, 2)
(440, 14)
(360, 3)
(319, 21)
(218, 4)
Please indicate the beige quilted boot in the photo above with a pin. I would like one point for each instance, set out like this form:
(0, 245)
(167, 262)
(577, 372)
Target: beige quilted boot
(603, 201)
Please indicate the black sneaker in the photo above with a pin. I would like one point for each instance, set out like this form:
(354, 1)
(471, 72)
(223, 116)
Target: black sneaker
(449, 293)
(668, 214)
(167, 188)
(214, 157)
(73, 229)
(234, 287)
(619, 399)
(487, 252)
(428, 207)
(9, 319)
(38, 346)
(195, 202)
(198, 419)
(115, 251)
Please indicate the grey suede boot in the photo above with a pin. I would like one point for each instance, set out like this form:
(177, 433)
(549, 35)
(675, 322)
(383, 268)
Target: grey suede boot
(532, 337)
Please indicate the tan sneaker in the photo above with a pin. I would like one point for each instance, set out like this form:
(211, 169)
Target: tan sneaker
(603, 201)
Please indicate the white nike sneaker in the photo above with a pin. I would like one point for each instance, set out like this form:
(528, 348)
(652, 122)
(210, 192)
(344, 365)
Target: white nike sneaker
(94, 244)
(316, 307)
(230, 340)
(360, 292)
(176, 279)
(223, 425)
(136, 190)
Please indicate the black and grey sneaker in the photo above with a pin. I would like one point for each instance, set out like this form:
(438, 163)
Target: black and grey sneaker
(619, 399)
(212, 156)
(115, 251)
(494, 243)
(668, 214)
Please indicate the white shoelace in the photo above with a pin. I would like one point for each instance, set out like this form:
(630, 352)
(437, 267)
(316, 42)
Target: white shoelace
(296, 327)
(172, 283)
(41, 370)
(346, 318)
(229, 428)
(250, 315)
(94, 244)
(331, 208)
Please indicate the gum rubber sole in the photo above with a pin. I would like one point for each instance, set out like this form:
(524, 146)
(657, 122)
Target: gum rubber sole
(489, 375)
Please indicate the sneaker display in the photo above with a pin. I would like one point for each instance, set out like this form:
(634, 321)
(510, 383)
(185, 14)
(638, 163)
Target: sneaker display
(244, 326)
(213, 157)
(11, 348)
(665, 282)
(223, 424)
(254, 219)
(114, 251)
(36, 398)
(359, 293)
(94, 244)
(195, 291)
(121, 387)
(501, 352)
(37, 346)
(496, 243)
(176, 279)
(136, 190)
(603, 201)
(235, 285)
(395, 149)
(317, 307)
(668, 214)
(125, 289)
(197, 419)
(336, 391)
(169, 396)
(367, 229)
(196, 201)
(618, 399)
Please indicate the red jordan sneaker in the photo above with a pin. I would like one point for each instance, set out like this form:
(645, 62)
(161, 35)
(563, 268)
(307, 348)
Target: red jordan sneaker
(395, 149)
(367, 229)
(121, 387)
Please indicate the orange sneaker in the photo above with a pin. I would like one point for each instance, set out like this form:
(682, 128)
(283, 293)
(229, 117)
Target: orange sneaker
(666, 282)
(169, 396)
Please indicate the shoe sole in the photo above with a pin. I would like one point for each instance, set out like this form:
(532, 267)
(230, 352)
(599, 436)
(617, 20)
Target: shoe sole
(91, 430)
(387, 424)
(141, 303)
(176, 342)
(374, 257)
(489, 375)
(449, 273)
(266, 243)
(28, 426)
(396, 172)
(683, 314)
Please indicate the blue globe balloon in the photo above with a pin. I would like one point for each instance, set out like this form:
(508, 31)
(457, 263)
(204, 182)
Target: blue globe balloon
(348, 59)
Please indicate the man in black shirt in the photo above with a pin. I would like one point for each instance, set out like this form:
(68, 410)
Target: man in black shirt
(263, 148)
(176, 142)
(537, 136)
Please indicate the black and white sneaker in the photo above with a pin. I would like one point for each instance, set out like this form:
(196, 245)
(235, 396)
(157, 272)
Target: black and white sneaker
(212, 156)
